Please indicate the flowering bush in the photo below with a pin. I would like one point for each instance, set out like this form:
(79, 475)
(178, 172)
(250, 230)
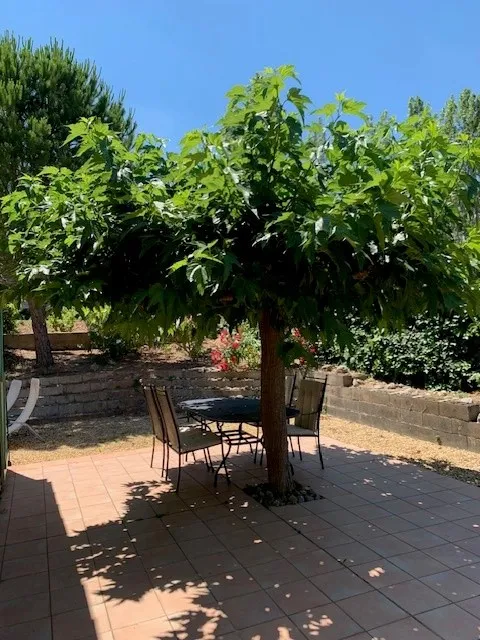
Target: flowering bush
(239, 349)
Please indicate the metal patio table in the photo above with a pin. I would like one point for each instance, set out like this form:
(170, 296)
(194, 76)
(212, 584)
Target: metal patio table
(227, 411)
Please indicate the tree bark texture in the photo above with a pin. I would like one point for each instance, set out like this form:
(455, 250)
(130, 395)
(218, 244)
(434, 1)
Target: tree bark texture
(273, 416)
(43, 350)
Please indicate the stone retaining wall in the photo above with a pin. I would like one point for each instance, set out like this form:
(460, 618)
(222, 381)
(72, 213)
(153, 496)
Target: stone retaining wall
(451, 421)
(115, 392)
(64, 341)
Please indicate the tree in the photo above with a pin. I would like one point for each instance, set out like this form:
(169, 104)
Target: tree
(285, 219)
(42, 91)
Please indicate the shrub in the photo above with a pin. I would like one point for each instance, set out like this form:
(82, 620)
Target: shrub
(185, 335)
(63, 321)
(239, 349)
(105, 337)
(11, 318)
(431, 352)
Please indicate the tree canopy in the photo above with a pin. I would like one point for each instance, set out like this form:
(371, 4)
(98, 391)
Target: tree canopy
(282, 214)
(42, 91)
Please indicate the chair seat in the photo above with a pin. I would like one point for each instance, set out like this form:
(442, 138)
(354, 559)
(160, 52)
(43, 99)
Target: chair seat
(195, 438)
(294, 431)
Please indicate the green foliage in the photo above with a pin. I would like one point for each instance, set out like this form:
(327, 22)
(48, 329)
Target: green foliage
(42, 91)
(63, 321)
(309, 218)
(105, 337)
(185, 334)
(11, 318)
(433, 353)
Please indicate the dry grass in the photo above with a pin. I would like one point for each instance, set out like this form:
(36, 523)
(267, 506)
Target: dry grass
(461, 464)
(81, 438)
(103, 435)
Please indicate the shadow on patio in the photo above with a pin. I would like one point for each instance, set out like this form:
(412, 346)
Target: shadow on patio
(123, 557)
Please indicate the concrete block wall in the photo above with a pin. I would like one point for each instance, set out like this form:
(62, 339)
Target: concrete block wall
(449, 420)
(118, 392)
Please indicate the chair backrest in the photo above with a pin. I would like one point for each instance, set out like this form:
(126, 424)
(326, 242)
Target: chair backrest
(154, 413)
(29, 406)
(309, 403)
(13, 393)
(169, 417)
(289, 389)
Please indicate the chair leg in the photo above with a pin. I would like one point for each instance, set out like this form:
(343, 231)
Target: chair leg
(153, 453)
(299, 449)
(206, 459)
(239, 436)
(320, 452)
(164, 453)
(291, 446)
(210, 459)
(168, 462)
(256, 446)
(223, 463)
(179, 472)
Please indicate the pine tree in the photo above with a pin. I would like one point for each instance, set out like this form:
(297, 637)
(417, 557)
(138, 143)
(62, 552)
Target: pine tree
(42, 91)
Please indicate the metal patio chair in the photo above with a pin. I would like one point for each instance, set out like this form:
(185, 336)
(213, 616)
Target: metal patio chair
(310, 403)
(185, 439)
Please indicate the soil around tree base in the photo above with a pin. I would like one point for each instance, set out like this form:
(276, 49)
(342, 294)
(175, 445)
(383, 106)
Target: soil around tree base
(268, 497)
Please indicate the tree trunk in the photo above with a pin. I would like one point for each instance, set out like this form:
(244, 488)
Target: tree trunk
(273, 417)
(43, 349)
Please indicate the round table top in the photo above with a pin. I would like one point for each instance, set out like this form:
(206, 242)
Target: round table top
(229, 409)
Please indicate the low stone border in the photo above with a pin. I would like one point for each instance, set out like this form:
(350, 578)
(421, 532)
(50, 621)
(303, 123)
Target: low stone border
(438, 417)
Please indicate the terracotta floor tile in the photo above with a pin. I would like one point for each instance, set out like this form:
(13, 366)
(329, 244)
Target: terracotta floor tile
(275, 573)
(250, 609)
(414, 596)
(203, 547)
(81, 623)
(371, 609)
(452, 555)
(24, 535)
(143, 605)
(451, 532)
(315, 563)
(228, 524)
(34, 630)
(353, 553)
(77, 596)
(232, 583)
(24, 566)
(297, 596)
(215, 563)
(281, 628)
(327, 622)
(255, 554)
(451, 622)
(273, 530)
(472, 605)
(452, 585)
(25, 549)
(239, 539)
(185, 597)
(23, 586)
(417, 563)
(380, 573)
(406, 629)
(326, 538)
(24, 609)
(291, 546)
(341, 584)
(420, 538)
(150, 630)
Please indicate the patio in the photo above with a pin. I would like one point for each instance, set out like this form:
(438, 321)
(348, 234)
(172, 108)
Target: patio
(100, 548)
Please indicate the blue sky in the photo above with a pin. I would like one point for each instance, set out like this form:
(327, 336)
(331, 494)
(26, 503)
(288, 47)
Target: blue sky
(175, 59)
